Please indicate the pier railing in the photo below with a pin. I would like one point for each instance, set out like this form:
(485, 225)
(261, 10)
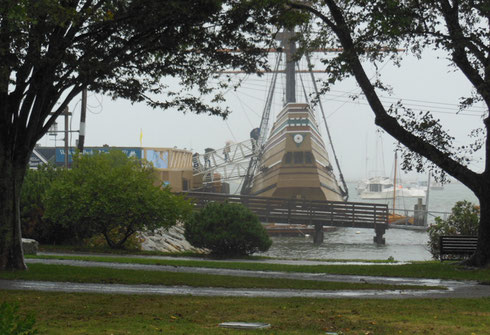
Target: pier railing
(297, 211)
(415, 217)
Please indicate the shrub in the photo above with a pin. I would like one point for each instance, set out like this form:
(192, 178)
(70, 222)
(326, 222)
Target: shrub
(112, 195)
(227, 230)
(463, 220)
(11, 323)
(36, 184)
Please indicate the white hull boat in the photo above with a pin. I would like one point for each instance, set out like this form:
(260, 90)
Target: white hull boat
(383, 188)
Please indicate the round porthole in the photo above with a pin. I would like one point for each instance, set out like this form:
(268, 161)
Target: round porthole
(298, 138)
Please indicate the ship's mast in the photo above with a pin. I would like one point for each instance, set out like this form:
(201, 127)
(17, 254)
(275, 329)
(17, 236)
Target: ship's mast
(290, 49)
(289, 45)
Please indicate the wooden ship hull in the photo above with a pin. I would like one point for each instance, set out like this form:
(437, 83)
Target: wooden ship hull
(295, 162)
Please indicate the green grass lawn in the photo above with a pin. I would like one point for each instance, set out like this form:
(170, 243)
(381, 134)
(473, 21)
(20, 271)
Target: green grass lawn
(70, 313)
(70, 249)
(63, 313)
(428, 269)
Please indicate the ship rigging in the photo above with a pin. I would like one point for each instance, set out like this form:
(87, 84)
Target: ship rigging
(291, 161)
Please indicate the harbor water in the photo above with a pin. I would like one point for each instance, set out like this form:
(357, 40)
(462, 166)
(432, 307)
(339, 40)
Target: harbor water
(355, 243)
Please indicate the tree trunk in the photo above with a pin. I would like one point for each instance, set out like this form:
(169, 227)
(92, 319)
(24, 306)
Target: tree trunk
(482, 256)
(11, 178)
(109, 241)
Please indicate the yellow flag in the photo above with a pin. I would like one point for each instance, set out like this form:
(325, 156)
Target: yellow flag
(141, 137)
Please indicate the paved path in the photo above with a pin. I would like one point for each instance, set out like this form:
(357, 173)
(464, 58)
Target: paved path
(455, 289)
(203, 291)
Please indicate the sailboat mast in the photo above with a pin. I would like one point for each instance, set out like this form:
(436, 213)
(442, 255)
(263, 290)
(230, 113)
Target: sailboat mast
(394, 183)
(426, 218)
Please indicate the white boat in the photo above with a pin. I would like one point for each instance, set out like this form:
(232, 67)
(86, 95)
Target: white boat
(382, 191)
(376, 188)
(361, 186)
(383, 188)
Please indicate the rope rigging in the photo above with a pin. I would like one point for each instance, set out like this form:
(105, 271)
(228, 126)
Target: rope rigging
(262, 130)
(345, 191)
(258, 136)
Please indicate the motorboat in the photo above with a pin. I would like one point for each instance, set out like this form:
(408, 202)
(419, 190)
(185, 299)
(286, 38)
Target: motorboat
(384, 188)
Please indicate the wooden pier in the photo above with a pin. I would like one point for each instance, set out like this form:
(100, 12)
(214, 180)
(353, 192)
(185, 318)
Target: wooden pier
(304, 212)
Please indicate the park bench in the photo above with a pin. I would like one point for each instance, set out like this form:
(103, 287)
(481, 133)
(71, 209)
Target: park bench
(462, 245)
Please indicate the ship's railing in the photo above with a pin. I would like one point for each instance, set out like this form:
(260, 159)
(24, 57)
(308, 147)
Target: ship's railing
(297, 211)
(230, 162)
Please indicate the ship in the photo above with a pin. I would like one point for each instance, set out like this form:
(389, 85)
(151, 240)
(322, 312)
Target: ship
(295, 162)
(291, 160)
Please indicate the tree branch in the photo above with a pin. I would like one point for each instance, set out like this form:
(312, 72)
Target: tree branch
(340, 27)
(459, 54)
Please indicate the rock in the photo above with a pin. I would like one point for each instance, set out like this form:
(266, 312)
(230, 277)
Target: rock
(171, 240)
(30, 246)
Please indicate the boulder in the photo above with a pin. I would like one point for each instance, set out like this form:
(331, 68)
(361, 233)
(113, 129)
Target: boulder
(30, 246)
(171, 240)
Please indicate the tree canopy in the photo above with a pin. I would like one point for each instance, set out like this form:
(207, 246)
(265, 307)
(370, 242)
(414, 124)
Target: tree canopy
(368, 32)
(53, 49)
(112, 195)
(50, 50)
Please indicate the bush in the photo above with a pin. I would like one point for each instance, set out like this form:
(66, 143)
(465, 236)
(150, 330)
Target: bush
(36, 184)
(464, 220)
(11, 323)
(111, 195)
(227, 230)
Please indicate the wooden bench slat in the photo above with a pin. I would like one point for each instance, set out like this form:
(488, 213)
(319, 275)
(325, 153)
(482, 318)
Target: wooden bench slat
(457, 245)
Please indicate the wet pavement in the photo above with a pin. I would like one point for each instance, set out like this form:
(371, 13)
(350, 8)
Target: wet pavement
(454, 289)
(204, 291)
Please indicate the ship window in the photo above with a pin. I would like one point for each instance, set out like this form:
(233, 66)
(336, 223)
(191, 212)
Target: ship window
(185, 184)
(288, 157)
(375, 187)
(308, 157)
(298, 157)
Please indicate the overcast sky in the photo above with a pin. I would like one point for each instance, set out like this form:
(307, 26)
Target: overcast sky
(427, 84)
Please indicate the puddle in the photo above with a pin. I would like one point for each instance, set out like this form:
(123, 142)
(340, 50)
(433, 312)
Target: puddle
(245, 325)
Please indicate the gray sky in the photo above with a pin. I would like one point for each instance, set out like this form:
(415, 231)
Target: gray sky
(427, 84)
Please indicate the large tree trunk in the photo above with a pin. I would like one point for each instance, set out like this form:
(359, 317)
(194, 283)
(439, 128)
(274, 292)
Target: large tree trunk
(482, 256)
(11, 178)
